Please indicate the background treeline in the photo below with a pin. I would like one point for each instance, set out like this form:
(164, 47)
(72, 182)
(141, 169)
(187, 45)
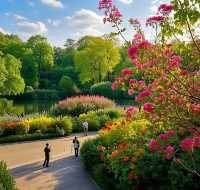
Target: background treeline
(35, 70)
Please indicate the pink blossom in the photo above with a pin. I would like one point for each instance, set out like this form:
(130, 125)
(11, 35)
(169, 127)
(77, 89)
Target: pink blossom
(105, 4)
(187, 144)
(138, 99)
(153, 145)
(171, 133)
(137, 36)
(163, 137)
(127, 71)
(137, 64)
(184, 72)
(145, 93)
(132, 51)
(132, 81)
(148, 107)
(131, 109)
(119, 79)
(155, 19)
(169, 151)
(114, 86)
(144, 43)
(165, 8)
(130, 92)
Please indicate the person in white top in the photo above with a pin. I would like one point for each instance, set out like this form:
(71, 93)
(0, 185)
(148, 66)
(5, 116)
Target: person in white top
(85, 127)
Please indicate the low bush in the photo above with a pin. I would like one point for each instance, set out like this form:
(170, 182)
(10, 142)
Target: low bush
(98, 119)
(21, 128)
(104, 89)
(81, 104)
(6, 180)
(64, 124)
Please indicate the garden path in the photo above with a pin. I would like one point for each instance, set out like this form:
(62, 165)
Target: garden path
(65, 172)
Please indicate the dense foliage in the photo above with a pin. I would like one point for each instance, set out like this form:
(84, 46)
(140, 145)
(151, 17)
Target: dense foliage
(6, 180)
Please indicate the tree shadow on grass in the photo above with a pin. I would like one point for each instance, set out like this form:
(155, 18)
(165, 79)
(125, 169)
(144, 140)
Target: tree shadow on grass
(68, 173)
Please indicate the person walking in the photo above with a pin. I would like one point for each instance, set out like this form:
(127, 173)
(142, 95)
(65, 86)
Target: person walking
(85, 127)
(47, 156)
(76, 146)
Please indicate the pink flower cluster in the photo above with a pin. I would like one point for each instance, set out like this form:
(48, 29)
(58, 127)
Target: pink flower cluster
(195, 108)
(165, 8)
(148, 107)
(105, 4)
(155, 20)
(188, 144)
(130, 111)
(127, 71)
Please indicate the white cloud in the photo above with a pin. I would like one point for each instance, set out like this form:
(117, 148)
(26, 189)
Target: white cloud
(54, 22)
(126, 1)
(53, 3)
(85, 22)
(19, 17)
(28, 28)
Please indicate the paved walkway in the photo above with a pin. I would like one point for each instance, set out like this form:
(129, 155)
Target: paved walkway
(65, 172)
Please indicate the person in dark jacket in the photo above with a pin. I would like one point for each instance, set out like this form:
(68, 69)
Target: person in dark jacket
(47, 155)
(76, 146)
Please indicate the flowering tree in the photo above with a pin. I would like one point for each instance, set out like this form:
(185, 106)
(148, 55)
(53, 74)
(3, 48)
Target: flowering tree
(169, 91)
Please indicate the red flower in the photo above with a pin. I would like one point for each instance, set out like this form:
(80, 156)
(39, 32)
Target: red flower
(132, 51)
(148, 107)
(187, 144)
(127, 71)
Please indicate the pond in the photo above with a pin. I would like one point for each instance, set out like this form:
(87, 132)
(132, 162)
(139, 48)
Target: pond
(28, 107)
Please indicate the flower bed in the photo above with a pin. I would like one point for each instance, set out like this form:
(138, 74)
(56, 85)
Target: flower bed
(134, 155)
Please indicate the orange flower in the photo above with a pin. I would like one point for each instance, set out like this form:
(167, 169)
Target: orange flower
(122, 145)
(114, 154)
(101, 148)
(126, 158)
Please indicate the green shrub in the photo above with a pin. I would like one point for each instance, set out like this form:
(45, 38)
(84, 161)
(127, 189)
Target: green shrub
(77, 125)
(21, 129)
(64, 124)
(90, 154)
(6, 180)
(67, 86)
(98, 119)
(104, 89)
(6, 106)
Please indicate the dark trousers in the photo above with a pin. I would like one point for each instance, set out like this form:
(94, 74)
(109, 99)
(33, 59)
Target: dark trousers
(76, 152)
(46, 161)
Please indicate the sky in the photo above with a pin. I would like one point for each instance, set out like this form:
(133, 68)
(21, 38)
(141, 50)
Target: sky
(61, 19)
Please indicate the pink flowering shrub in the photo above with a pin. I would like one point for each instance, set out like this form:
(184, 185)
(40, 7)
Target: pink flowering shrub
(81, 104)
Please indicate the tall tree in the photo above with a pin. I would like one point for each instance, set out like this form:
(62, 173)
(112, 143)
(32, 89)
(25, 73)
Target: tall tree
(11, 81)
(43, 53)
(95, 58)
